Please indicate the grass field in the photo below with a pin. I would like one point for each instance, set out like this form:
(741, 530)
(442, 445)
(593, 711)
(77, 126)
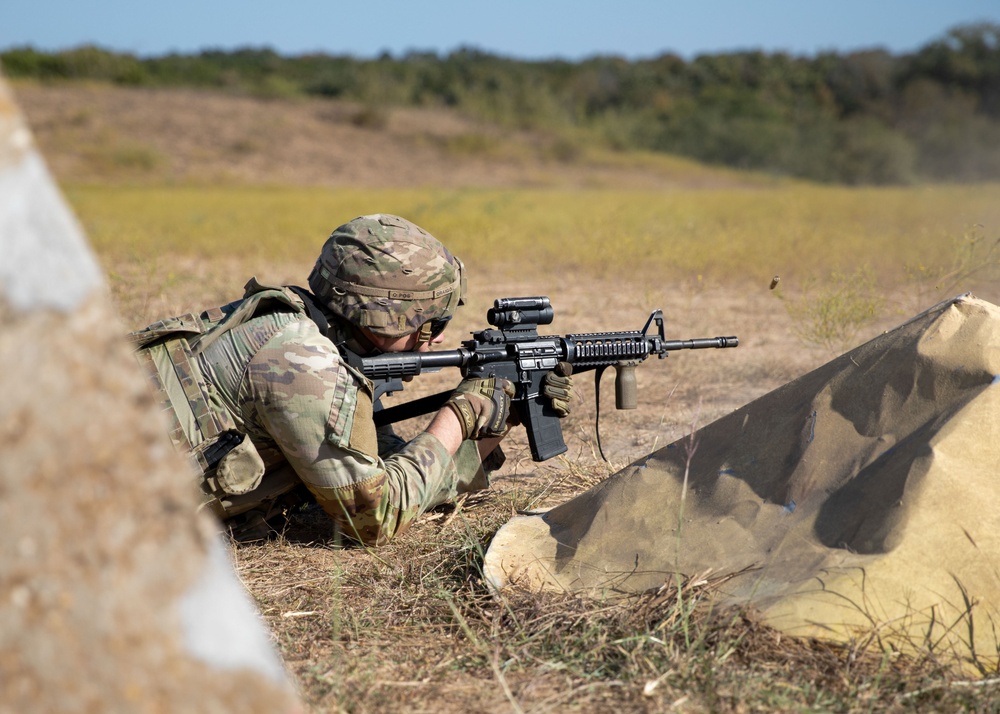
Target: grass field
(735, 235)
(410, 627)
(881, 249)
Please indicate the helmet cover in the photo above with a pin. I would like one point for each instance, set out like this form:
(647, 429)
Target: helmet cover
(388, 275)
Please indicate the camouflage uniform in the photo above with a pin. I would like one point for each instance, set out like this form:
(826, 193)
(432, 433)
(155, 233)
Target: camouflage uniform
(261, 370)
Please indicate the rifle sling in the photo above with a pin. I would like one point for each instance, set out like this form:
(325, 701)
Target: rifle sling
(597, 412)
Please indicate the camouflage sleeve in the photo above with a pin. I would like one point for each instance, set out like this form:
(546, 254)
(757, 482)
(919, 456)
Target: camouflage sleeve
(319, 413)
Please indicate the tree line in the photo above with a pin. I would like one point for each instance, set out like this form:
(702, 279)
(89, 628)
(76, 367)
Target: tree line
(866, 117)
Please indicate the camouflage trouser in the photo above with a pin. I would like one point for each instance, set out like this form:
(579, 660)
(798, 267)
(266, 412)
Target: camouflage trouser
(262, 513)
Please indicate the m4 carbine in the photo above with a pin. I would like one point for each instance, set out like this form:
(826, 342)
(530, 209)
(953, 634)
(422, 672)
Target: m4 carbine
(514, 350)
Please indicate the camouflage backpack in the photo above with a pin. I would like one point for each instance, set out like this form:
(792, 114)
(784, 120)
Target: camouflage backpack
(200, 424)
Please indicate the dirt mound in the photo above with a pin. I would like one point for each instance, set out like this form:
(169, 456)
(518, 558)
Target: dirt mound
(104, 133)
(856, 496)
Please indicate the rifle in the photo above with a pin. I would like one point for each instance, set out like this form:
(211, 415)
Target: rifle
(515, 351)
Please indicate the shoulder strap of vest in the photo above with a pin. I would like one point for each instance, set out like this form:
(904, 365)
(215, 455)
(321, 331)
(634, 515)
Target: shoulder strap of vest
(314, 311)
(297, 298)
(317, 315)
(254, 294)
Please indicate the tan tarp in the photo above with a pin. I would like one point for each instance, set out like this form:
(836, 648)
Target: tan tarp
(866, 492)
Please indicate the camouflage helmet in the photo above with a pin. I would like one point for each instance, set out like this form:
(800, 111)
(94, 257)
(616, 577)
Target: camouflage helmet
(388, 275)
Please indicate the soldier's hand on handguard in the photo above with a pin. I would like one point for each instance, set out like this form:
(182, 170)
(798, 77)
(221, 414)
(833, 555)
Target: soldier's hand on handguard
(482, 406)
(557, 386)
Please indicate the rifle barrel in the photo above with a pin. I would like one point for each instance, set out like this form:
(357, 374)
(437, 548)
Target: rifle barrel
(701, 343)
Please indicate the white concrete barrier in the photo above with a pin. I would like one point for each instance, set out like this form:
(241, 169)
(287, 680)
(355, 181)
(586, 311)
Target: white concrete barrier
(114, 596)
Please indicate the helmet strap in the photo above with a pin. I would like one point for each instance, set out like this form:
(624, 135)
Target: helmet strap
(358, 343)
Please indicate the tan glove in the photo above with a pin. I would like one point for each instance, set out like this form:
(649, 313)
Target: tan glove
(482, 406)
(557, 387)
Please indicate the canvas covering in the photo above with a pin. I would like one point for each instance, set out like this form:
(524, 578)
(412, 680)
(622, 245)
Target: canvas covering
(863, 494)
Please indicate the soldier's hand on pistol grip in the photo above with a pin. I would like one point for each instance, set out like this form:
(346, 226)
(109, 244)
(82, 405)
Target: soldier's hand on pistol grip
(482, 406)
(557, 387)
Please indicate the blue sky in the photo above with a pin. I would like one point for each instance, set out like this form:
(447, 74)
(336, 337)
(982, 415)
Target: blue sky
(526, 29)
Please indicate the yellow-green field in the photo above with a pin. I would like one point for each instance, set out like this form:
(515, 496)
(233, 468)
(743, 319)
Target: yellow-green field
(795, 231)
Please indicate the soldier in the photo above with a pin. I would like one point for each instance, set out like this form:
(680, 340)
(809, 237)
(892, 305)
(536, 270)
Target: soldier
(261, 396)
